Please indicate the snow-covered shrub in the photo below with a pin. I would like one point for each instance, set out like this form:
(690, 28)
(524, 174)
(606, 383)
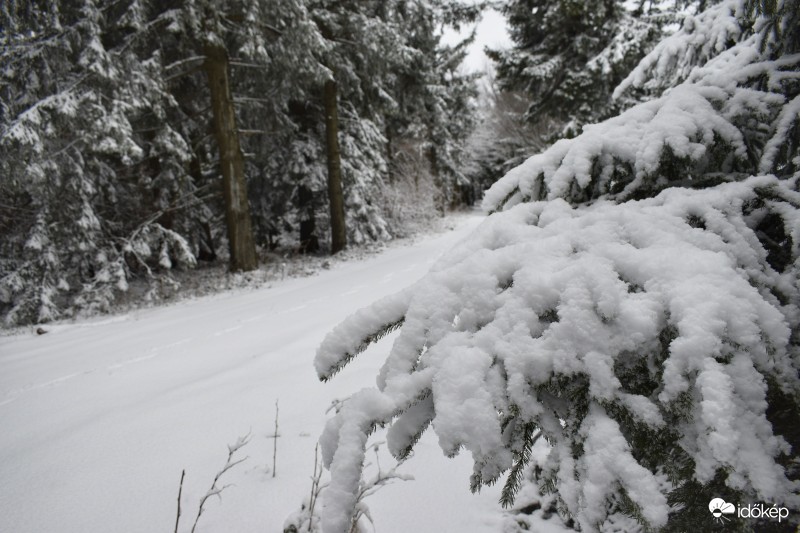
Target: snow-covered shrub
(307, 518)
(607, 328)
(633, 299)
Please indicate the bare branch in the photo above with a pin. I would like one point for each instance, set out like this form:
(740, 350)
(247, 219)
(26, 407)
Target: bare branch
(186, 61)
(180, 490)
(246, 99)
(184, 73)
(230, 463)
(275, 442)
(248, 65)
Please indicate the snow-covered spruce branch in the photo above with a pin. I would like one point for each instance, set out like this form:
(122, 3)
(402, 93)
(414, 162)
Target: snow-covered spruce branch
(701, 38)
(356, 333)
(727, 116)
(660, 321)
(692, 136)
(149, 234)
(522, 458)
(21, 129)
(150, 241)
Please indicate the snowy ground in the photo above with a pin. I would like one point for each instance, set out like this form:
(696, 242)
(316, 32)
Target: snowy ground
(99, 417)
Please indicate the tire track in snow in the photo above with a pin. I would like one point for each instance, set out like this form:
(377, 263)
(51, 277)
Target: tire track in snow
(15, 394)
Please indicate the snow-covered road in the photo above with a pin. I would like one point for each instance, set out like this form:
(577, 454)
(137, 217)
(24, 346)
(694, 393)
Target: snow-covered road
(98, 418)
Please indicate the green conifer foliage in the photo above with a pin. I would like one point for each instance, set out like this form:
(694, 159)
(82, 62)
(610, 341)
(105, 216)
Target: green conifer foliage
(568, 55)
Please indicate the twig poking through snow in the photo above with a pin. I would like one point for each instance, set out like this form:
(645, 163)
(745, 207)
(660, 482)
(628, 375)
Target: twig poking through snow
(275, 441)
(306, 518)
(315, 487)
(372, 485)
(180, 490)
(230, 463)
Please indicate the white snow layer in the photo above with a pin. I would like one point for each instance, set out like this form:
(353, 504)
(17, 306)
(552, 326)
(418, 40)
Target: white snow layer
(99, 417)
(701, 38)
(543, 294)
(542, 314)
(624, 154)
(703, 126)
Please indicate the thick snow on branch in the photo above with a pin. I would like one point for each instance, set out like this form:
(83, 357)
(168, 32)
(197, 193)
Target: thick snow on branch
(355, 334)
(701, 38)
(788, 119)
(644, 339)
(711, 126)
(662, 315)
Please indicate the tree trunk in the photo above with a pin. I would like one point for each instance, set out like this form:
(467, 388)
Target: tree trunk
(335, 195)
(231, 160)
(437, 179)
(309, 243)
(389, 153)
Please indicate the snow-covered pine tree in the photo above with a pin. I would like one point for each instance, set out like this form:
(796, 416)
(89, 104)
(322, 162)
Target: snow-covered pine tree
(384, 59)
(505, 138)
(412, 98)
(449, 112)
(214, 30)
(358, 59)
(318, 43)
(277, 73)
(633, 300)
(89, 168)
(568, 55)
(435, 100)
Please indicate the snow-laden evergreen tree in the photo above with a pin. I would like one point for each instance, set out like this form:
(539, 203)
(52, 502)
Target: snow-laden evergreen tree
(389, 67)
(363, 47)
(565, 60)
(632, 302)
(214, 28)
(568, 55)
(435, 111)
(505, 138)
(323, 42)
(90, 165)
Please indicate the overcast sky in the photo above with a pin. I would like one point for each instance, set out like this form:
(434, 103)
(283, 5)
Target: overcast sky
(492, 32)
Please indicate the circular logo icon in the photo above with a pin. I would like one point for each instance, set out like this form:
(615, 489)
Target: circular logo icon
(720, 507)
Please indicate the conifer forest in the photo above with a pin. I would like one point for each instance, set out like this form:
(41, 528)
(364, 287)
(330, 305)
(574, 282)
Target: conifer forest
(609, 340)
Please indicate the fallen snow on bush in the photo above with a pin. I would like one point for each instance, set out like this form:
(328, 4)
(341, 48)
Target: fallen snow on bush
(589, 323)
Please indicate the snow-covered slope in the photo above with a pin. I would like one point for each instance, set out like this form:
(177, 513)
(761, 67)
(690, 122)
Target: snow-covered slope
(98, 418)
